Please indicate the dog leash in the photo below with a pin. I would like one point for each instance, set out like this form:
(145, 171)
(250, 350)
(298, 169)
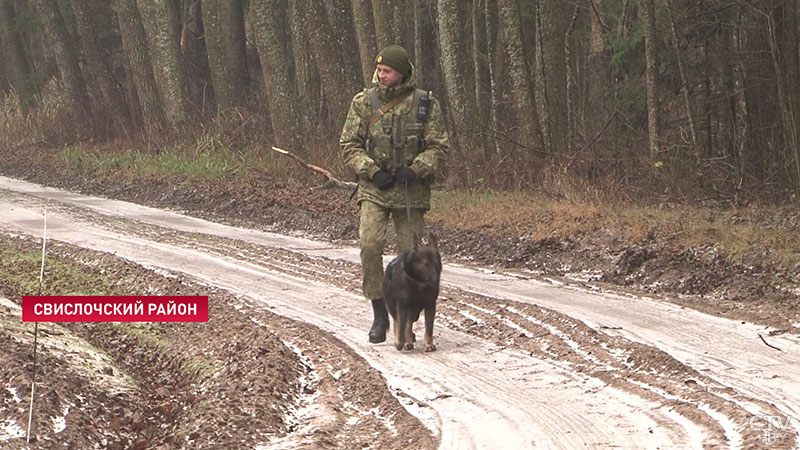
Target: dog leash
(408, 220)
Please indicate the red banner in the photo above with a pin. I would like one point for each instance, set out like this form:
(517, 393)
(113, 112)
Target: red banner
(67, 308)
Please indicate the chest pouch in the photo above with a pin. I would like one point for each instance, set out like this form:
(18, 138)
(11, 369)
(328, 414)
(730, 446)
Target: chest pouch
(398, 137)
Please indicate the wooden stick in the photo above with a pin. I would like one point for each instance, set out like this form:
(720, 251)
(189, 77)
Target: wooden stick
(327, 174)
(767, 343)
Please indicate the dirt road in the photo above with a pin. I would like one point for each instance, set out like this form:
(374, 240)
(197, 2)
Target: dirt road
(522, 363)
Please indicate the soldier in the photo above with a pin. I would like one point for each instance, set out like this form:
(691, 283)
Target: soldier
(394, 138)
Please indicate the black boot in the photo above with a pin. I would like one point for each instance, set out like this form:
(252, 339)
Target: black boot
(380, 322)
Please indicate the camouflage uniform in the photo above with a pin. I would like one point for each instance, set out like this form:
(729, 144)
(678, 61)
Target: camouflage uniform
(377, 205)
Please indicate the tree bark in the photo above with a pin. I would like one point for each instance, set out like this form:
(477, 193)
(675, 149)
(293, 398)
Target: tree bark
(478, 65)
(510, 26)
(647, 12)
(553, 21)
(340, 78)
(424, 45)
(684, 82)
(63, 51)
(112, 105)
(223, 24)
(457, 81)
(598, 64)
(15, 65)
(384, 16)
(492, 42)
(162, 32)
(269, 20)
(365, 35)
(134, 44)
(783, 37)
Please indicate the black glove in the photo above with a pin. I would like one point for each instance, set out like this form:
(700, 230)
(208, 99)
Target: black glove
(383, 179)
(406, 174)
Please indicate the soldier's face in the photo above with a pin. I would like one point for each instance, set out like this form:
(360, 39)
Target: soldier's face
(388, 76)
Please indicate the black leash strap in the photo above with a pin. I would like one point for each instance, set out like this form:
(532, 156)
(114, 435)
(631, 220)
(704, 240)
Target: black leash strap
(408, 219)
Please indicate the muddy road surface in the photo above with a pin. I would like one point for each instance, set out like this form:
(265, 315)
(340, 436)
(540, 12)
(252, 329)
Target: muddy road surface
(521, 362)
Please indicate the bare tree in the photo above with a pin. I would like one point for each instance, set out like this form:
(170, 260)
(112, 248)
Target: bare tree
(223, 23)
(384, 19)
(365, 34)
(340, 77)
(455, 71)
(519, 73)
(162, 32)
(648, 17)
(269, 20)
(552, 21)
(684, 82)
(136, 51)
(111, 105)
(63, 51)
(783, 38)
(15, 64)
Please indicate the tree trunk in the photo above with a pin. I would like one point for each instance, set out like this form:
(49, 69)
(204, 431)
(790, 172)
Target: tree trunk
(236, 45)
(162, 32)
(111, 102)
(598, 74)
(194, 56)
(684, 82)
(783, 30)
(309, 83)
(478, 65)
(553, 21)
(460, 96)
(12, 52)
(223, 24)
(134, 44)
(365, 34)
(269, 20)
(648, 17)
(341, 78)
(424, 45)
(569, 88)
(340, 17)
(63, 51)
(492, 43)
(383, 13)
(528, 134)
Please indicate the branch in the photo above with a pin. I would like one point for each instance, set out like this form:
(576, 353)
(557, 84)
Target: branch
(331, 179)
(767, 343)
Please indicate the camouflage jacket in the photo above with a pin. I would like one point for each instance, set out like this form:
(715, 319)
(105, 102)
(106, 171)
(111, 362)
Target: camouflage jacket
(362, 158)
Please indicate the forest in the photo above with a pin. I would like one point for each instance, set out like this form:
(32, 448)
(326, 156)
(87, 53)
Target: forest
(695, 99)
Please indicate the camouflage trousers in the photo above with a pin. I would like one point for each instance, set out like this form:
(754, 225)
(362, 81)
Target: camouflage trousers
(372, 239)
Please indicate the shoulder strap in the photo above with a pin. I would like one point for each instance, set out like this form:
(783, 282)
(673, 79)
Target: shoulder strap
(377, 114)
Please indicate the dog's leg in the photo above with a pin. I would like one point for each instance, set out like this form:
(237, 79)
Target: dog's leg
(430, 313)
(409, 341)
(401, 317)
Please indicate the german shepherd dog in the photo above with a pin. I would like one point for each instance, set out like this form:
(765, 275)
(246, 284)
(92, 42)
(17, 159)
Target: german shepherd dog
(411, 284)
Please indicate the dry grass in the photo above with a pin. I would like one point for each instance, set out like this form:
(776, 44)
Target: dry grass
(752, 235)
(50, 120)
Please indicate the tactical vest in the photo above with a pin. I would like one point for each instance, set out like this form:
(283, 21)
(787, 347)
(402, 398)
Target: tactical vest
(397, 138)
